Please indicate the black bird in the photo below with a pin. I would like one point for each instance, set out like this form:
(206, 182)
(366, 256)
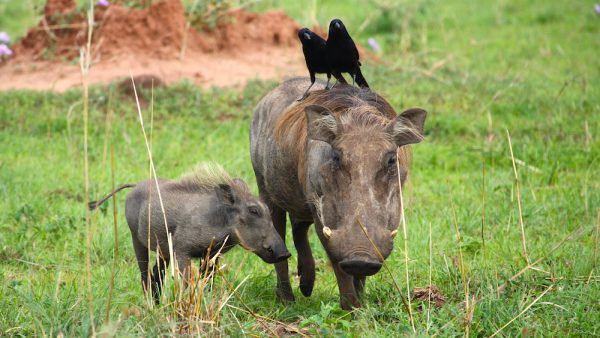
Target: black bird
(314, 50)
(342, 54)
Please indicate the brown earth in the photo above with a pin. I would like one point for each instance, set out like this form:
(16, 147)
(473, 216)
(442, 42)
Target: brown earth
(243, 46)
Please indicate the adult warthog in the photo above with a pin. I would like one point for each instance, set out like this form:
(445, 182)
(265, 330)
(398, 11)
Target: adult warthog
(333, 159)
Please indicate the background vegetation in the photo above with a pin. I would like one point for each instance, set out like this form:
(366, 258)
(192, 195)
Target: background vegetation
(479, 67)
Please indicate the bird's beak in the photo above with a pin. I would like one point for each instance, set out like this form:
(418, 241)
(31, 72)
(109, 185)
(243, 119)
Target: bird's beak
(307, 36)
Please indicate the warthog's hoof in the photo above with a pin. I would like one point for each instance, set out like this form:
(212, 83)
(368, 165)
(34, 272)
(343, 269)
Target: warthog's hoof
(349, 303)
(286, 297)
(306, 287)
(307, 279)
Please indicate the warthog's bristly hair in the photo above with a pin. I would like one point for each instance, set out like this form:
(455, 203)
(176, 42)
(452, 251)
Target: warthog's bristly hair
(407, 128)
(317, 202)
(353, 107)
(205, 177)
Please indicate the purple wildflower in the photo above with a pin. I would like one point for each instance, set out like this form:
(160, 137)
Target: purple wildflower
(5, 51)
(4, 37)
(597, 8)
(374, 45)
(103, 3)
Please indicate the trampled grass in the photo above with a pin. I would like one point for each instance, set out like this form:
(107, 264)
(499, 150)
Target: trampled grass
(479, 68)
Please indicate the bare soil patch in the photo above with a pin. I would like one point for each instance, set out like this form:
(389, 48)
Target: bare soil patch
(242, 47)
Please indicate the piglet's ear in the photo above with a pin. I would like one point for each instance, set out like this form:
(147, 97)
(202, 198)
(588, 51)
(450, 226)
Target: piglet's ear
(225, 194)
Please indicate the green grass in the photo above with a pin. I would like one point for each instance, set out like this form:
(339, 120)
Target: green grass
(529, 67)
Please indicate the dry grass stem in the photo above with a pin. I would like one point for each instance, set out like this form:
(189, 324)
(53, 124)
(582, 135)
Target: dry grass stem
(573, 235)
(116, 232)
(522, 312)
(461, 267)
(594, 262)
(405, 231)
(483, 204)
(153, 169)
(149, 300)
(518, 199)
(259, 319)
(84, 63)
(429, 280)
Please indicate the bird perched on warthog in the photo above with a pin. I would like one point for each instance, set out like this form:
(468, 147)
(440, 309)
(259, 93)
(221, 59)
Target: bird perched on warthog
(342, 54)
(336, 55)
(204, 210)
(335, 159)
(314, 49)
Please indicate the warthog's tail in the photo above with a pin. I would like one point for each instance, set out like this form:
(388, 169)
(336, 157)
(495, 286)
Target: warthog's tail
(95, 204)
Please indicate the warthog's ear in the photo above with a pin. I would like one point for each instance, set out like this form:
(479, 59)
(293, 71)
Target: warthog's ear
(225, 194)
(241, 184)
(320, 123)
(408, 127)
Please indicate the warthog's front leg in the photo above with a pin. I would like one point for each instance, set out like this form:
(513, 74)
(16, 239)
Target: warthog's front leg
(306, 262)
(359, 285)
(348, 297)
(284, 288)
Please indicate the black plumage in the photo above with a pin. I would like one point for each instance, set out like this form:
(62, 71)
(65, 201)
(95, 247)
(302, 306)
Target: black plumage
(342, 54)
(314, 49)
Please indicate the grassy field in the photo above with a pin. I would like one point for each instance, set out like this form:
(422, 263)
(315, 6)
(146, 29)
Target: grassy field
(480, 69)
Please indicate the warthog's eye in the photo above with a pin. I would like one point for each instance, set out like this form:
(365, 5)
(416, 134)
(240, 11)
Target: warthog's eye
(336, 158)
(391, 164)
(254, 211)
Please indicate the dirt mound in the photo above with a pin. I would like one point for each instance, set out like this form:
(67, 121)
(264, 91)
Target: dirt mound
(247, 30)
(157, 31)
(242, 46)
(56, 7)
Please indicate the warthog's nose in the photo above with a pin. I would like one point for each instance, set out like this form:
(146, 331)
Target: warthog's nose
(360, 266)
(283, 256)
(279, 253)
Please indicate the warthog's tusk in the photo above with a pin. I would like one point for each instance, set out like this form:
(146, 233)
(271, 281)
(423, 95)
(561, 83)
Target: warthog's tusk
(326, 232)
(394, 233)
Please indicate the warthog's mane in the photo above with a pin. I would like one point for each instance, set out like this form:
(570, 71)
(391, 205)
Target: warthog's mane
(353, 107)
(205, 177)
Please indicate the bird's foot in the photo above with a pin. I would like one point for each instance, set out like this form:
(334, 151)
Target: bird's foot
(305, 95)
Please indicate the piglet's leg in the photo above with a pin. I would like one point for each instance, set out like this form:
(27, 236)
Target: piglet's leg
(184, 266)
(141, 253)
(158, 277)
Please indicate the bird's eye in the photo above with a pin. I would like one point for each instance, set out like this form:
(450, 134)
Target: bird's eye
(254, 211)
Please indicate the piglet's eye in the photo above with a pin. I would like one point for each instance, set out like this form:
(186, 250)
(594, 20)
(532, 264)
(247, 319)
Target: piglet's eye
(253, 211)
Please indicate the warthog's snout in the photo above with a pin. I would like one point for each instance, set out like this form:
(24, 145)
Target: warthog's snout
(283, 256)
(360, 266)
(275, 253)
